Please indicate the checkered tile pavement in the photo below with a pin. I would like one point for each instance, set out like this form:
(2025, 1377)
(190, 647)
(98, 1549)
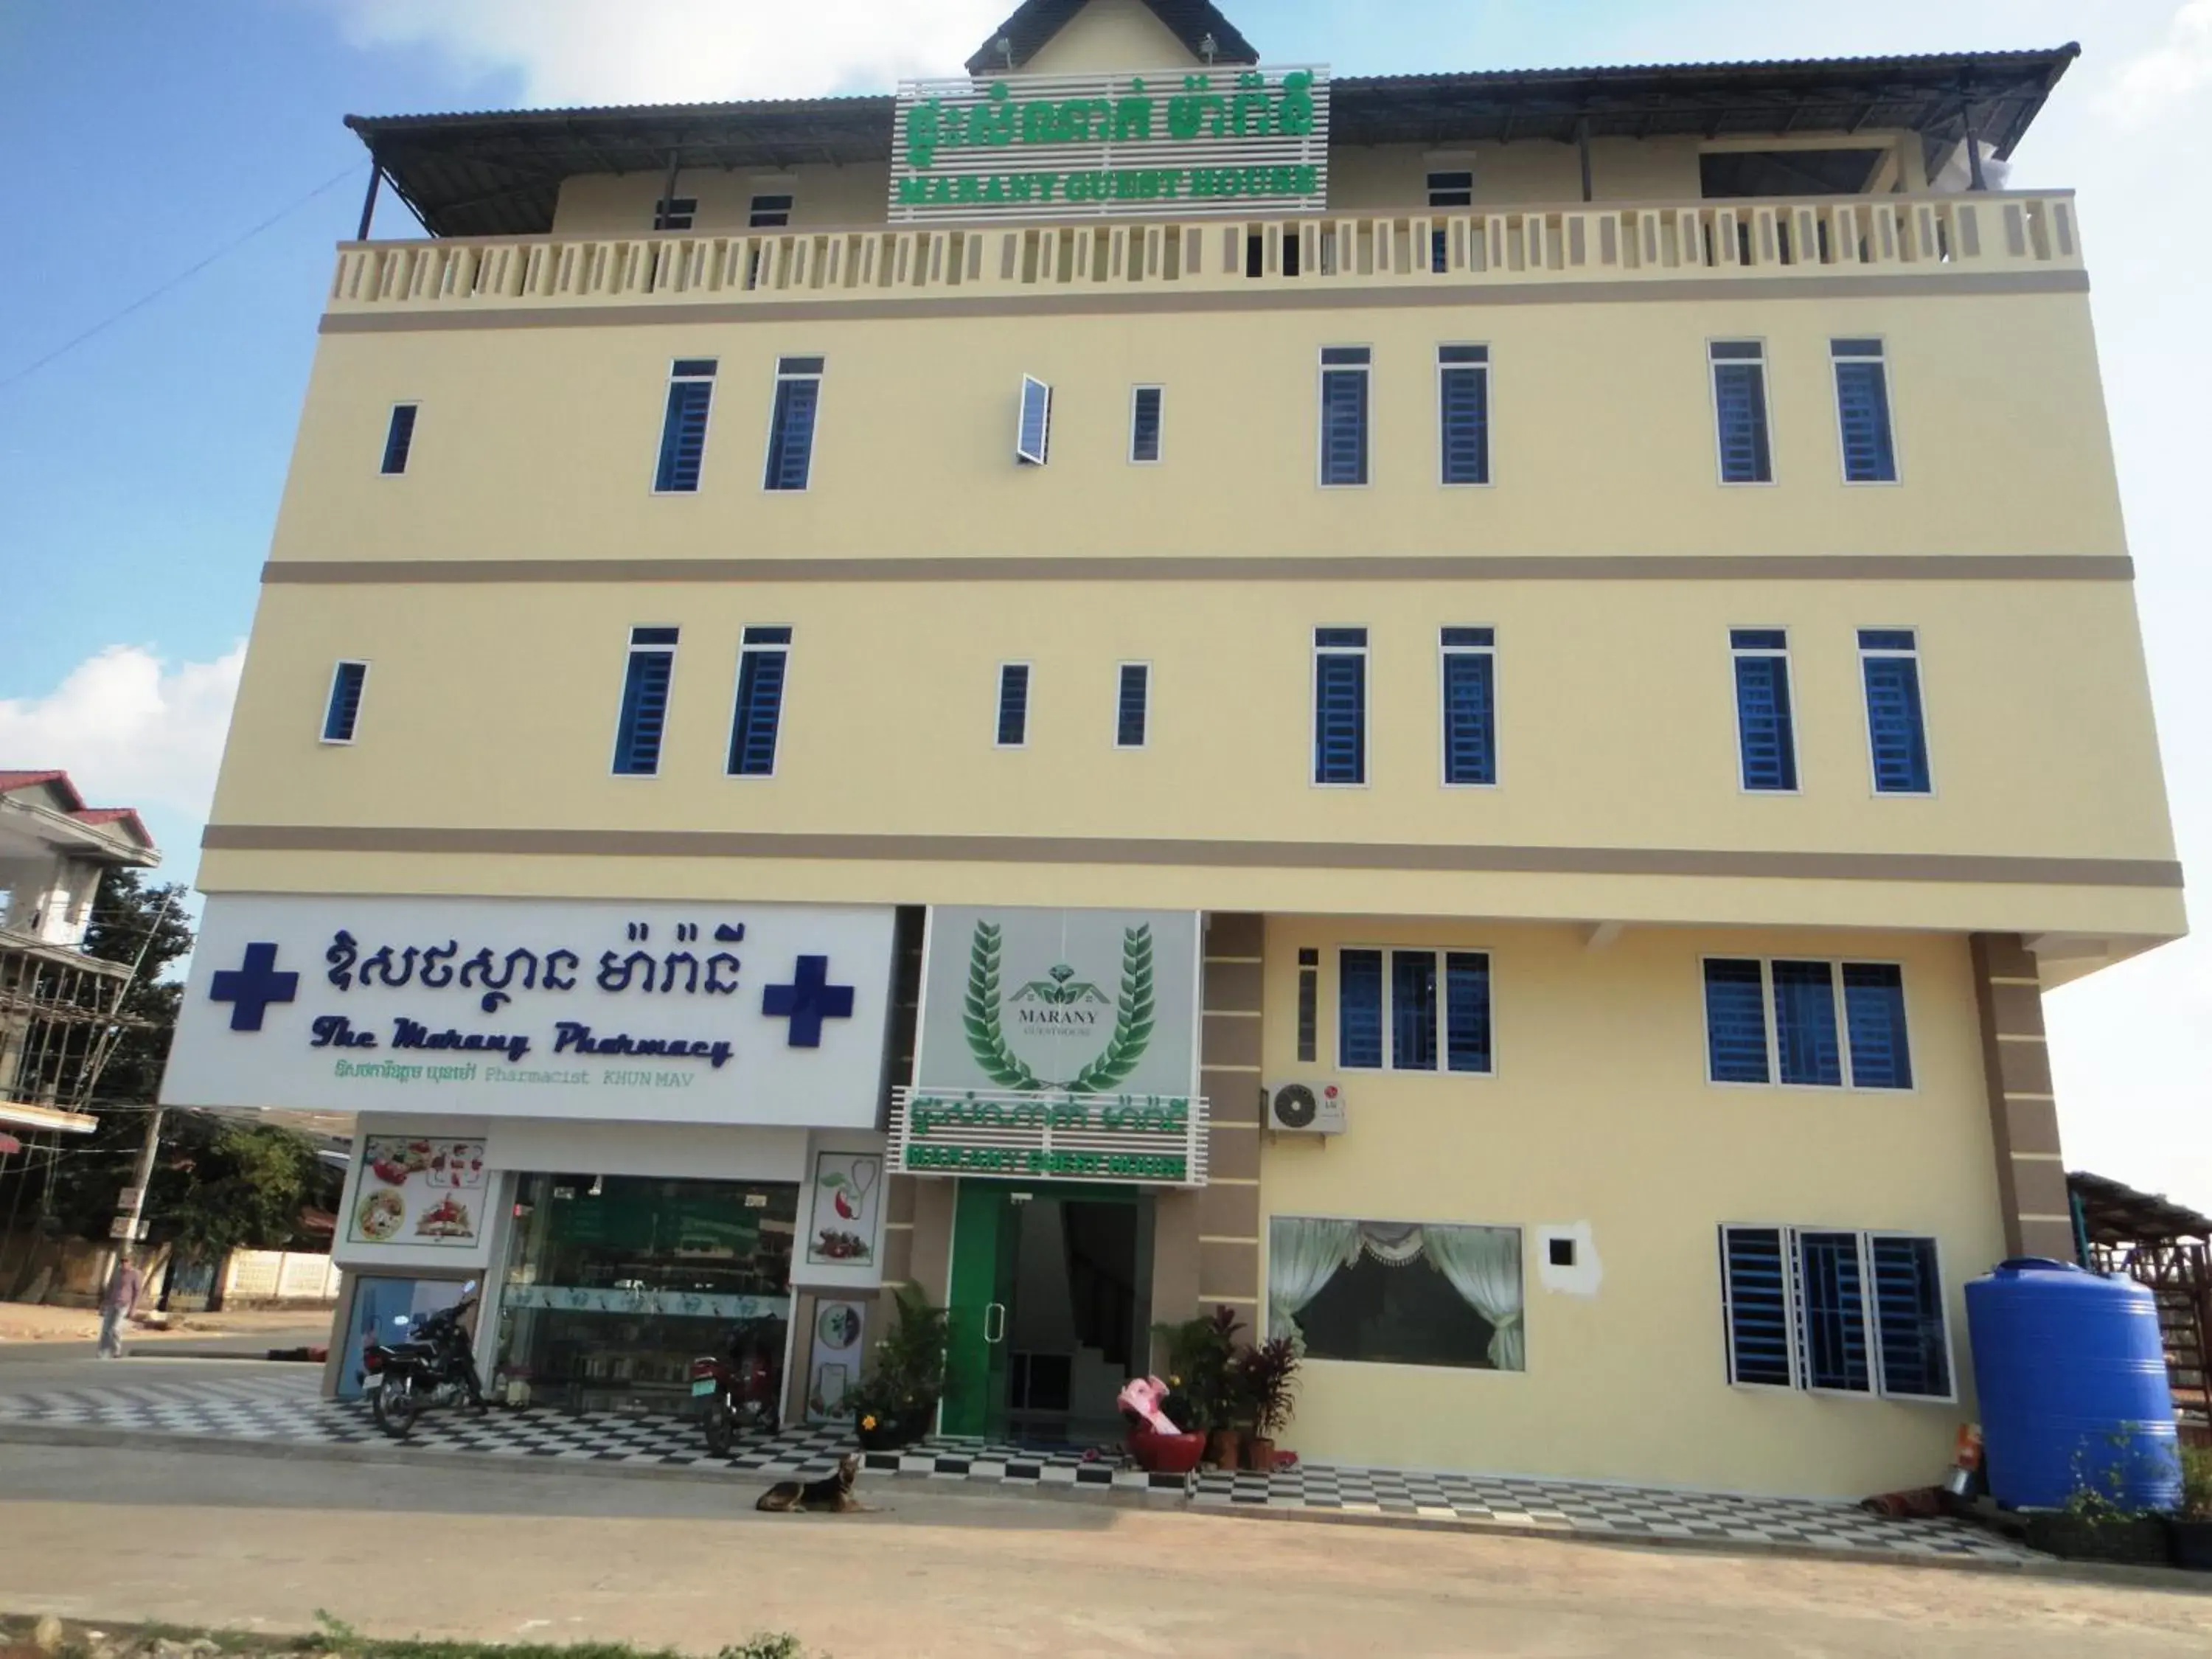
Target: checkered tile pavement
(284, 1407)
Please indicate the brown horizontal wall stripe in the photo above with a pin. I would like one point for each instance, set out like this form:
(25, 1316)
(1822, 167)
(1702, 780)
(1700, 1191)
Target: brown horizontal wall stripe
(1171, 568)
(1072, 301)
(1421, 857)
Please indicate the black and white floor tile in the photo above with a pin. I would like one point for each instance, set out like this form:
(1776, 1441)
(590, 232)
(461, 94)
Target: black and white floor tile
(283, 1406)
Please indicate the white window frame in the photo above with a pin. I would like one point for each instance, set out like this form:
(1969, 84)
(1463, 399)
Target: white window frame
(1736, 708)
(330, 696)
(783, 698)
(1836, 966)
(1322, 369)
(1889, 399)
(1135, 392)
(1315, 652)
(1874, 791)
(999, 702)
(1444, 710)
(1766, 398)
(1043, 456)
(1115, 735)
(1490, 410)
(389, 414)
(631, 649)
(821, 378)
(1793, 1313)
(1441, 1070)
(706, 437)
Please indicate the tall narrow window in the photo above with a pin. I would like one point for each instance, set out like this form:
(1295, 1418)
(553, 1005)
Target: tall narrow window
(1909, 1335)
(1130, 705)
(398, 439)
(1897, 732)
(1806, 1039)
(645, 701)
(1344, 371)
(1145, 425)
(675, 212)
(684, 427)
(768, 212)
(1766, 738)
(1339, 705)
(1832, 1312)
(1873, 1017)
(1470, 705)
(1755, 1307)
(1740, 403)
(342, 714)
(1863, 411)
(1359, 1010)
(1412, 1011)
(1463, 412)
(1735, 1021)
(1309, 1004)
(1446, 190)
(762, 658)
(1014, 705)
(791, 422)
(1033, 424)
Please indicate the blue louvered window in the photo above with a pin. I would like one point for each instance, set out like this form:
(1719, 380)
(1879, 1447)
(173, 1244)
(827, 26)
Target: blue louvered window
(398, 440)
(1033, 425)
(1359, 1010)
(1344, 371)
(791, 423)
(761, 660)
(1145, 424)
(1470, 706)
(684, 427)
(675, 212)
(1463, 412)
(1805, 1035)
(1736, 1020)
(1446, 190)
(645, 701)
(1873, 1015)
(1756, 1307)
(1434, 1006)
(1339, 705)
(1909, 1324)
(1896, 731)
(1739, 404)
(1131, 705)
(342, 715)
(1863, 411)
(1765, 734)
(1014, 705)
(1842, 1311)
(1309, 1004)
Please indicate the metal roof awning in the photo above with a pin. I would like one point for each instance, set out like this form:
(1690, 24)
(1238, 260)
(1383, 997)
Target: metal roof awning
(2114, 1213)
(18, 1115)
(499, 173)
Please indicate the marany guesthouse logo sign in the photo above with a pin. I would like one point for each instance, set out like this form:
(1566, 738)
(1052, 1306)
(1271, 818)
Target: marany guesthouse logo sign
(1169, 142)
(1063, 1012)
(711, 1013)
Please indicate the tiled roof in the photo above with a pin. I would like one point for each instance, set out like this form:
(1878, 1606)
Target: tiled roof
(97, 818)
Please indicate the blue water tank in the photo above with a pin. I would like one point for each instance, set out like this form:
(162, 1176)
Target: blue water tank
(2071, 1372)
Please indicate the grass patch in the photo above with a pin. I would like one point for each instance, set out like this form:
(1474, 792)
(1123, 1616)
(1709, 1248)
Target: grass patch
(21, 1639)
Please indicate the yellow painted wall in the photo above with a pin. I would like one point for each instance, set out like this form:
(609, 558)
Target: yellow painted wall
(541, 442)
(1599, 1113)
(621, 204)
(1108, 35)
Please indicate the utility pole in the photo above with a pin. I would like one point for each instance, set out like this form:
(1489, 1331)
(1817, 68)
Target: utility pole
(130, 1218)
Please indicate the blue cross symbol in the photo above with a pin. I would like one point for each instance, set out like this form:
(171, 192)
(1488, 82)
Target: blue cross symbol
(252, 987)
(808, 1000)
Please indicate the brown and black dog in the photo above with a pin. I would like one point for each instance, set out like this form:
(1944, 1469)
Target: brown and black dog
(833, 1495)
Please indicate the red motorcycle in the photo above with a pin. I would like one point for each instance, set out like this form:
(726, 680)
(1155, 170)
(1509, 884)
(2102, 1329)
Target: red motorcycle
(739, 1393)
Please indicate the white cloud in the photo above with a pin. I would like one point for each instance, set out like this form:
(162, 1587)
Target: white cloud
(130, 729)
(2153, 81)
(594, 52)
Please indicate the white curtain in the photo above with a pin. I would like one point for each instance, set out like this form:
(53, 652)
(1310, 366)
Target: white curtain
(1484, 1266)
(1302, 1256)
(1393, 1243)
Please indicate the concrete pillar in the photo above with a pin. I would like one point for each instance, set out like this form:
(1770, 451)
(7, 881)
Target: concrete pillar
(2023, 1110)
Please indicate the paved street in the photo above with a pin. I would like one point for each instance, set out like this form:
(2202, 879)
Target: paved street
(549, 1555)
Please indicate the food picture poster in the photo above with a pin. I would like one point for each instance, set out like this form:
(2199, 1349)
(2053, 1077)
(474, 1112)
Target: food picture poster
(418, 1192)
(847, 1186)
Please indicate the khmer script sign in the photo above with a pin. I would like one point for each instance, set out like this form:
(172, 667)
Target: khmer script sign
(710, 1012)
(1163, 143)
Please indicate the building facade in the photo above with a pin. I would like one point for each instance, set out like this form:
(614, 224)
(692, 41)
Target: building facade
(1557, 651)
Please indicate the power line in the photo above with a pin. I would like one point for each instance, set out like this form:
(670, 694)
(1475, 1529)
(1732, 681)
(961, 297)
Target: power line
(181, 277)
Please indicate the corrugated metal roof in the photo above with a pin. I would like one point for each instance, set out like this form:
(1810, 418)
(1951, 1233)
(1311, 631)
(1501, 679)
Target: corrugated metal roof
(499, 173)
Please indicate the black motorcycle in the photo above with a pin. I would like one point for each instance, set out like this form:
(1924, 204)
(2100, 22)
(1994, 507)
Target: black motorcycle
(434, 1365)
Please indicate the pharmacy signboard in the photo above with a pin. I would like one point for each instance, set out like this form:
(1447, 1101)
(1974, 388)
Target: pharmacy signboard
(1163, 143)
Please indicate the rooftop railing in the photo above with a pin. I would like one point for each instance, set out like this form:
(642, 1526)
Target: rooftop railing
(1826, 237)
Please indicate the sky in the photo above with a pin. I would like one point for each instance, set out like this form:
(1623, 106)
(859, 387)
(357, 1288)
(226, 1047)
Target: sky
(178, 174)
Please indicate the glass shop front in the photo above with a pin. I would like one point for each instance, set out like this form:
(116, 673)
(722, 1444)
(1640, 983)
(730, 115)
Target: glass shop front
(614, 1283)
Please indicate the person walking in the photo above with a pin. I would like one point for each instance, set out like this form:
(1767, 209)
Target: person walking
(121, 1296)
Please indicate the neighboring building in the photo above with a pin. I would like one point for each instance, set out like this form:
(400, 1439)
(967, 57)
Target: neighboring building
(1586, 609)
(57, 1005)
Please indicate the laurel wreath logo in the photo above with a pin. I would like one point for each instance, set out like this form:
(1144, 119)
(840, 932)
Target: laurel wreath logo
(1133, 1013)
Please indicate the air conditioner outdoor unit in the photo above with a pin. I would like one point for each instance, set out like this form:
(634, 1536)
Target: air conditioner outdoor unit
(1305, 1109)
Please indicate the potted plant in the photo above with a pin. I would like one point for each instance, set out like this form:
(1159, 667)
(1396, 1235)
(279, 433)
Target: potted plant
(895, 1402)
(1267, 1376)
(2097, 1522)
(1202, 1359)
(1147, 1403)
(2192, 1523)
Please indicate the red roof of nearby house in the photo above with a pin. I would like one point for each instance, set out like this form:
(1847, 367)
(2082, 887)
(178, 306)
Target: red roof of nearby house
(10, 781)
(72, 803)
